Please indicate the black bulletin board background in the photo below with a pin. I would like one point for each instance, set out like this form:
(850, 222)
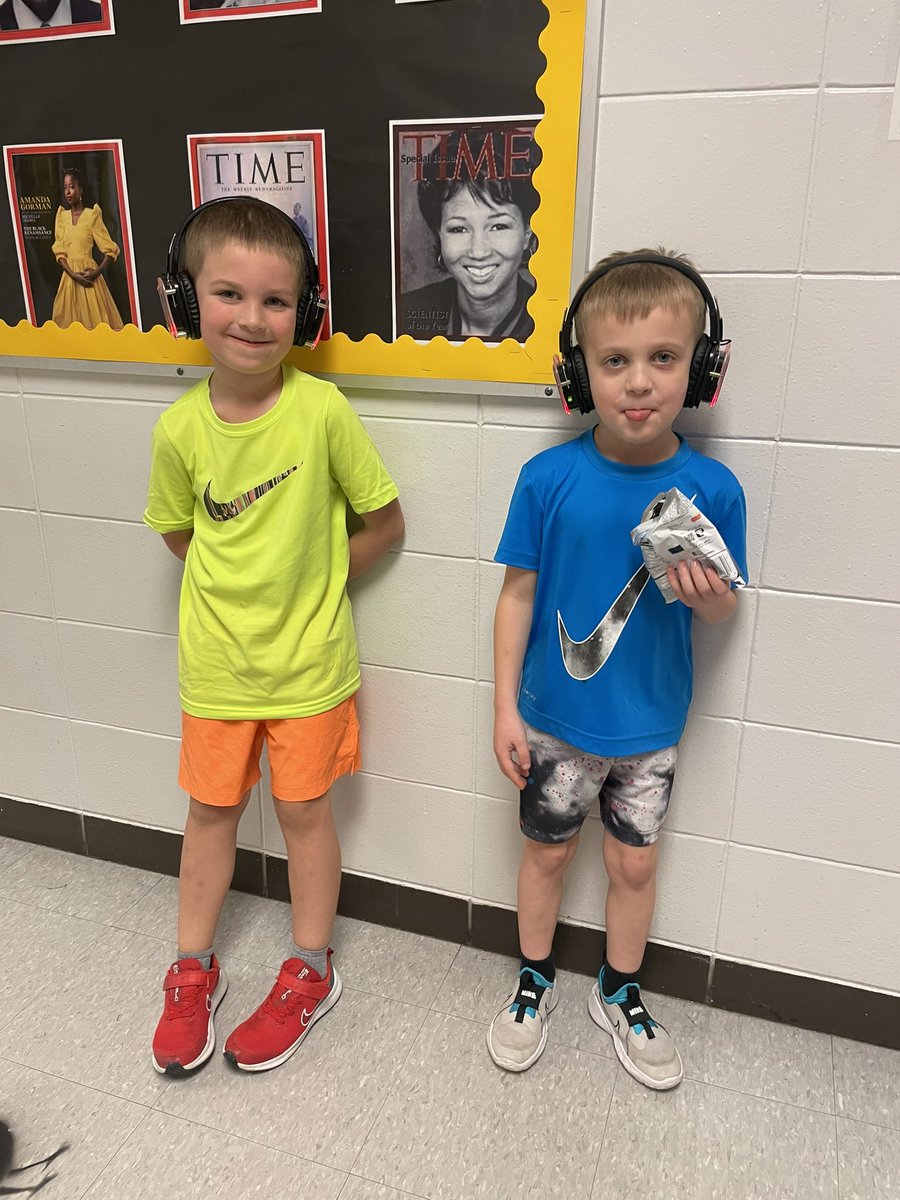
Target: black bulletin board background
(348, 70)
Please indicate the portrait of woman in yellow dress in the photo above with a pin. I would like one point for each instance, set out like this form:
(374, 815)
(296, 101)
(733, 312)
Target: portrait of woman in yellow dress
(83, 294)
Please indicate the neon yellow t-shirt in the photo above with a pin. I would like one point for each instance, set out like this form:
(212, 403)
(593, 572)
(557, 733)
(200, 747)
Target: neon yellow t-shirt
(265, 628)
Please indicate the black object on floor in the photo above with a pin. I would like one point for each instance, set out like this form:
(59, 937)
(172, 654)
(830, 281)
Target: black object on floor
(7, 1147)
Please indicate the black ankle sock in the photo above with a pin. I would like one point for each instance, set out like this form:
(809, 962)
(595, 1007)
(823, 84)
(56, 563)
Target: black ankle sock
(543, 966)
(611, 979)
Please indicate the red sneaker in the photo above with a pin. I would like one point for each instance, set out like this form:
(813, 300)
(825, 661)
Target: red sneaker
(282, 1021)
(186, 1036)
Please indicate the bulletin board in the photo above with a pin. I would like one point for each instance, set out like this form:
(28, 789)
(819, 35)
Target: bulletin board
(333, 95)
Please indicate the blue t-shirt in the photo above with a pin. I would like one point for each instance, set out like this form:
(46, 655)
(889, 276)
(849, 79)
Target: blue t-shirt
(608, 663)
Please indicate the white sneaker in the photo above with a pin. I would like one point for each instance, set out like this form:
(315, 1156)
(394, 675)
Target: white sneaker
(642, 1045)
(518, 1033)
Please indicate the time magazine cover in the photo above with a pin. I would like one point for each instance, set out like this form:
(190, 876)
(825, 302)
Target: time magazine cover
(69, 207)
(284, 169)
(462, 202)
(222, 10)
(38, 20)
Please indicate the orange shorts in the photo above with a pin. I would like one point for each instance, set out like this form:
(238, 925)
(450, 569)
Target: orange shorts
(220, 759)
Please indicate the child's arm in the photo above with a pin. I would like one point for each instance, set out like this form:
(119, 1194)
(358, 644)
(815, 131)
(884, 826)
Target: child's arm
(700, 588)
(512, 625)
(178, 541)
(381, 529)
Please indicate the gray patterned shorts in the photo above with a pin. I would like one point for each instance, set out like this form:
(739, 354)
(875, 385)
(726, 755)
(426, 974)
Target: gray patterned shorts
(564, 782)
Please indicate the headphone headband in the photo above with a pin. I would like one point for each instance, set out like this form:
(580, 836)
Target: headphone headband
(179, 299)
(711, 354)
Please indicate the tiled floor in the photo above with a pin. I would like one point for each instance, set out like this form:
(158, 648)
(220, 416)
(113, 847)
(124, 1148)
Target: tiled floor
(394, 1095)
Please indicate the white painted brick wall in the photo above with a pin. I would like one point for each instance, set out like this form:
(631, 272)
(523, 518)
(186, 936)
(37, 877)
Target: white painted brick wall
(753, 137)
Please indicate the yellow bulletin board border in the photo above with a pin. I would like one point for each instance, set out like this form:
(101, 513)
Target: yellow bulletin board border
(559, 88)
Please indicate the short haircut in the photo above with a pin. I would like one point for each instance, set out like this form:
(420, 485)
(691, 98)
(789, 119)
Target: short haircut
(630, 293)
(497, 193)
(249, 222)
(433, 190)
(73, 173)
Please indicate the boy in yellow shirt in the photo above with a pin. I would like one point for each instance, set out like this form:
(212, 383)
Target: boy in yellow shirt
(252, 471)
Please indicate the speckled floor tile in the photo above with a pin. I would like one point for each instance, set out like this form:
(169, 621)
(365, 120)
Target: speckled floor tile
(200, 1162)
(745, 1054)
(322, 1102)
(699, 1142)
(390, 962)
(33, 945)
(357, 1188)
(867, 1083)
(404, 1097)
(455, 1127)
(44, 1112)
(74, 885)
(93, 1021)
(10, 851)
(250, 927)
(476, 985)
(868, 1161)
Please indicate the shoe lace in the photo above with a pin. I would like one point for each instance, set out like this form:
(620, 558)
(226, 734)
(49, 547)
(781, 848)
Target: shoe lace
(181, 1001)
(282, 1002)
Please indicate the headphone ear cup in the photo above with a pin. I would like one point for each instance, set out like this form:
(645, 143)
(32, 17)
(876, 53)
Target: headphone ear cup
(302, 320)
(190, 305)
(698, 374)
(307, 311)
(310, 316)
(580, 380)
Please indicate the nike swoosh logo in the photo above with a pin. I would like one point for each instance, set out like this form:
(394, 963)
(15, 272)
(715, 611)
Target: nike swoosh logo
(226, 510)
(584, 659)
(306, 1017)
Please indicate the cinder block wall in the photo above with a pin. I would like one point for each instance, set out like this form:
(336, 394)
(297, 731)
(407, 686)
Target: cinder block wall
(753, 137)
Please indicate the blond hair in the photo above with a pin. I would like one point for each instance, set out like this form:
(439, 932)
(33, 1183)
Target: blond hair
(249, 222)
(631, 292)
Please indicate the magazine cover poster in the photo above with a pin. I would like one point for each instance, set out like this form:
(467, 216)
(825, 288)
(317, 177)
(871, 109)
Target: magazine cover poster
(223, 10)
(38, 20)
(284, 169)
(69, 207)
(462, 202)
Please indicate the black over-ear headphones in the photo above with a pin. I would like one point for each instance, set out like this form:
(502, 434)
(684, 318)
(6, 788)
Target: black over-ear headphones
(179, 297)
(708, 365)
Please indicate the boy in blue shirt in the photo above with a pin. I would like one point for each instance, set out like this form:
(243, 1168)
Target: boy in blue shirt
(592, 669)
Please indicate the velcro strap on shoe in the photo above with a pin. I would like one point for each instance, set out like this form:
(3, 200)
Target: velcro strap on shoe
(290, 982)
(313, 988)
(177, 979)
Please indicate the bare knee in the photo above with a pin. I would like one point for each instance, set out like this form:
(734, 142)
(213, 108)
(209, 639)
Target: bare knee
(633, 867)
(550, 858)
(212, 816)
(303, 816)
